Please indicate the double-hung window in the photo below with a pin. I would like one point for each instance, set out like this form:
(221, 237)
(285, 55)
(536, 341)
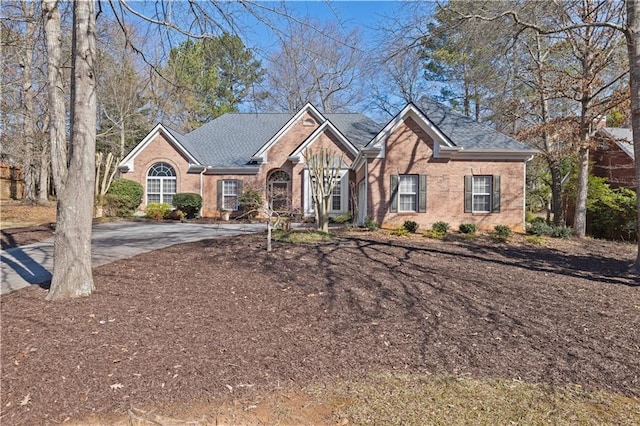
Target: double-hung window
(228, 192)
(230, 195)
(336, 197)
(482, 194)
(408, 194)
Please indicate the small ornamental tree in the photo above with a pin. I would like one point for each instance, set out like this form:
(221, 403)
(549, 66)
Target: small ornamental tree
(324, 173)
(106, 169)
(251, 203)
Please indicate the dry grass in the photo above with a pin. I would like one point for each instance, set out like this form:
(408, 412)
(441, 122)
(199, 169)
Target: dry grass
(302, 236)
(17, 215)
(403, 400)
(419, 400)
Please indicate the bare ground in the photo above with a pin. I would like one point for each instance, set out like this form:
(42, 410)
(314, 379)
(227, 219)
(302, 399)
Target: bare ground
(208, 323)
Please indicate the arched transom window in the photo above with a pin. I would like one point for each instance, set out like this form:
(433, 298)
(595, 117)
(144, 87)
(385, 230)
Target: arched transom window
(279, 190)
(161, 183)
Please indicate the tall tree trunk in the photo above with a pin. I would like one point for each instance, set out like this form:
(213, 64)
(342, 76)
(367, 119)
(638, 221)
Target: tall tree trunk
(556, 193)
(123, 132)
(633, 46)
(72, 275)
(55, 93)
(43, 187)
(28, 94)
(580, 217)
(28, 176)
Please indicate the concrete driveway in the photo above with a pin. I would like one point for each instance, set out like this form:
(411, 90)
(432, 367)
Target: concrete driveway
(32, 264)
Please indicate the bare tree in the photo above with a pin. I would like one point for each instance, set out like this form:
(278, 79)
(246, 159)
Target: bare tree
(632, 35)
(24, 118)
(593, 84)
(325, 167)
(55, 92)
(400, 77)
(72, 276)
(629, 26)
(315, 64)
(106, 169)
(122, 91)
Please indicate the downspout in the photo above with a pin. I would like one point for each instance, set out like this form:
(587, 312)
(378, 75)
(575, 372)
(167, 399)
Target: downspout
(202, 189)
(524, 195)
(366, 188)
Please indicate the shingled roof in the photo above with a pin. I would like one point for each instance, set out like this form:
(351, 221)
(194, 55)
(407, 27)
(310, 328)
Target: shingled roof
(622, 136)
(465, 132)
(231, 139)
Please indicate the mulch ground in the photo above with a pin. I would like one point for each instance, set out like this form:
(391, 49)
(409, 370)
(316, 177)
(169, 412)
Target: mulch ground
(194, 322)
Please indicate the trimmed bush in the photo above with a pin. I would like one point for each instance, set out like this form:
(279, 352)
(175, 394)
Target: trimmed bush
(250, 203)
(410, 226)
(117, 206)
(175, 215)
(370, 223)
(189, 203)
(440, 227)
(502, 231)
(539, 227)
(400, 231)
(562, 232)
(123, 198)
(342, 218)
(468, 228)
(544, 229)
(432, 233)
(157, 211)
(538, 219)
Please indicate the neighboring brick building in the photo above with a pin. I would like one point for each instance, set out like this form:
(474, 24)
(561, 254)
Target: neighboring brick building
(428, 164)
(11, 183)
(613, 157)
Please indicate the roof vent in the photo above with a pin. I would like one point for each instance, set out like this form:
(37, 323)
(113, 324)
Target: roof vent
(309, 122)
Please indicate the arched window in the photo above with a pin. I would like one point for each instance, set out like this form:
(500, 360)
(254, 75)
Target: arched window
(161, 183)
(279, 190)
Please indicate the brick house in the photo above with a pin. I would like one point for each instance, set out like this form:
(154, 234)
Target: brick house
(428, 164)
(613, 157)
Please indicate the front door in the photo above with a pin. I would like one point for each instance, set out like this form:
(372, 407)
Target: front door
(279, 191)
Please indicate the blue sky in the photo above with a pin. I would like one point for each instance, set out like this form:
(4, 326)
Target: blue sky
(365, 15)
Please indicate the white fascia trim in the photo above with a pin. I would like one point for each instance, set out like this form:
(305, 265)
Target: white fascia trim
(327, 125)
(489, 154)
(260, 156)
(410, 110)
(128, 161)
(238, 170)
(445, 151)
(359, 162)
(365, 153)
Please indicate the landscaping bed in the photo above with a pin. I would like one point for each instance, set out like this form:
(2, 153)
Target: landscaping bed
(201, 325)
